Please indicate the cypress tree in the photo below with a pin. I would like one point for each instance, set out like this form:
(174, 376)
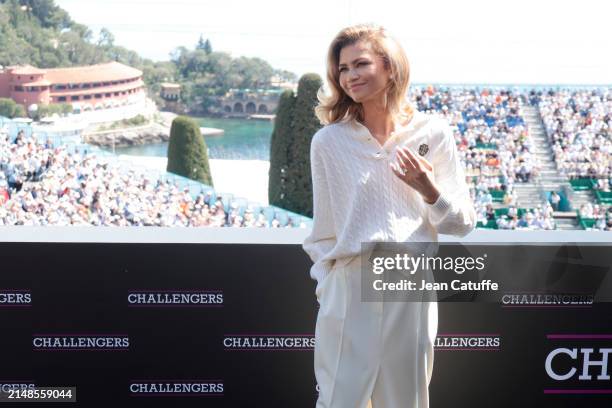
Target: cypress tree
(207, 46)
(279, 150)
(303, 127)
(187, 154)
(200, 44)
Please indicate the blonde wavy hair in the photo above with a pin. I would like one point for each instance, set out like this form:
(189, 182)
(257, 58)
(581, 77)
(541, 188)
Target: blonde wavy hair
(338, 106)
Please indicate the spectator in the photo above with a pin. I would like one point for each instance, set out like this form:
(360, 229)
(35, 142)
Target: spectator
(554, 200)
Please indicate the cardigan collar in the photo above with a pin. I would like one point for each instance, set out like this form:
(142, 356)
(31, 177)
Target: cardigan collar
(361, 131)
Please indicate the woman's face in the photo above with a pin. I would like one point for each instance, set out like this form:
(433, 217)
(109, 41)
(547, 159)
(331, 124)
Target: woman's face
(363, 75)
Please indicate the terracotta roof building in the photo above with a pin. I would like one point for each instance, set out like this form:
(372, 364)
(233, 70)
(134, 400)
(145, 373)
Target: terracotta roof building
(92, 87)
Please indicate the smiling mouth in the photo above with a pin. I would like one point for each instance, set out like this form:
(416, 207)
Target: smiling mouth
(356, 86)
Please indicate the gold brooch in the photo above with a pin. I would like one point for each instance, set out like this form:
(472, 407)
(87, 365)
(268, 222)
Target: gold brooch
(423, 149)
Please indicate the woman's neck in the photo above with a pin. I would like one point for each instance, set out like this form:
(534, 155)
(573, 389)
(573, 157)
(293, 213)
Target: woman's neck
(378, 121)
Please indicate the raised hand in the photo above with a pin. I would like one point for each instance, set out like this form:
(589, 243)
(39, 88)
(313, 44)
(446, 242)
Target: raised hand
(417, 172)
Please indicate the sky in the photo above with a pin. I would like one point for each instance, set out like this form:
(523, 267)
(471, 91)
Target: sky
(447, 41)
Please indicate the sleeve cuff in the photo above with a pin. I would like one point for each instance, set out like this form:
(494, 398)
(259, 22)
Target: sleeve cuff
(439, 209)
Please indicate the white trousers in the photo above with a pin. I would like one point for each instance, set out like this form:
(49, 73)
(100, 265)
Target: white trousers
(378, 351)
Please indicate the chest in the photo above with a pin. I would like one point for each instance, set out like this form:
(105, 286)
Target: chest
(363, 166)
(365, 152)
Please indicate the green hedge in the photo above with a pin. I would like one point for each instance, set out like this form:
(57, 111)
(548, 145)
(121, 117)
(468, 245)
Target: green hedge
(279, 150)
(289, 181)
(187, 154)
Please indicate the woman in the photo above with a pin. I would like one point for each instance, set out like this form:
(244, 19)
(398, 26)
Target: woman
(381, 172)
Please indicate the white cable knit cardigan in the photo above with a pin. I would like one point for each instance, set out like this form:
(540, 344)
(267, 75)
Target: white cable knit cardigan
(358, 199)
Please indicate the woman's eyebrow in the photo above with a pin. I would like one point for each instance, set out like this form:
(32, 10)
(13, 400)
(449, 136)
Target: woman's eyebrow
(354, 61)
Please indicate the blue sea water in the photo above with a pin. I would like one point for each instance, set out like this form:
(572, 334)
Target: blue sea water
(243, 139)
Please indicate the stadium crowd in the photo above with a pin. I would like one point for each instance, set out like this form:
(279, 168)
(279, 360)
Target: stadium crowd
(493, 142)
(579, 126)
(602, 215)
(45, 185)
(482, 117)
(539, 218)
(491, 135)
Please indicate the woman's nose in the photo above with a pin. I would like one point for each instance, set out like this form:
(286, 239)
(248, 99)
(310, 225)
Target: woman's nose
(352, 73)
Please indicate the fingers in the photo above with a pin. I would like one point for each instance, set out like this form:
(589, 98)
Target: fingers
(407, 159)
(413, 157)
(426, 163)
(397, 170)
(401, 164)
(409, 163)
